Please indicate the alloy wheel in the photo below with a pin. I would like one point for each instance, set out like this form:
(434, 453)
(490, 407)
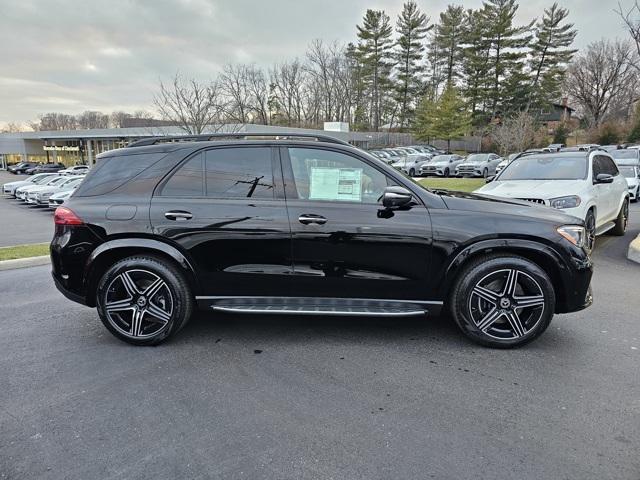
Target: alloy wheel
(138, 303)
(506, 304)
(625, 214)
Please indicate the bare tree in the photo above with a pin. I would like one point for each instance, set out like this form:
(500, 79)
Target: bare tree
(92, 119)
(515, 134)
(632, 23)
(54, 121)
(12, 127)
(192, 105)
(601, 75)
(119, 119)
(234, 84)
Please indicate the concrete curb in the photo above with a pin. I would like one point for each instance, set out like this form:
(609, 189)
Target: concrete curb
(26, 262)
(633, 253)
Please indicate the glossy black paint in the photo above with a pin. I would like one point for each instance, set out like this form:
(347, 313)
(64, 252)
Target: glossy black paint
(260, 247)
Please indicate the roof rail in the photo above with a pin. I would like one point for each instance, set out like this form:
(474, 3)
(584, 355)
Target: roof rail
(241, 136)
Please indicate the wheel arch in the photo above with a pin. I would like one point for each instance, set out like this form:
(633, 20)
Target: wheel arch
(540, 254)
(114, 250)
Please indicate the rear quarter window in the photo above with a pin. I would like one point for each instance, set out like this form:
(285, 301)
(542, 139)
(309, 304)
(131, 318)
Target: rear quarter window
(112, 172)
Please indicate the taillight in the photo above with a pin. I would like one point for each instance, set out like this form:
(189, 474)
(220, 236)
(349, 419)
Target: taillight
(66, 216)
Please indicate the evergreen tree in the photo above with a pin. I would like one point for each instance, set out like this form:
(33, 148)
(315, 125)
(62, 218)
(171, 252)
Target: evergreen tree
(374, 51)
(550, 53)
(412, 28)
(446, 42)
(446, 119)
(507, 52)
(475, 64)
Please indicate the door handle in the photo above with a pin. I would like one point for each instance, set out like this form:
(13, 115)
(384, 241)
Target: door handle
(309, 218)
(178, 215)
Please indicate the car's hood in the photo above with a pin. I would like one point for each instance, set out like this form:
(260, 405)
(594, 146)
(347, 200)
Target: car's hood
(19, 183)
(27, 188)
(439, 164)
(529, 188)
(474, 164)
(48, 189)
(64, 191)
(487, 204)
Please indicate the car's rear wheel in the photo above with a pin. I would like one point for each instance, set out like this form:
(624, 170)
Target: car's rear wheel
(503, 301)
(143, 300)
(622, 220)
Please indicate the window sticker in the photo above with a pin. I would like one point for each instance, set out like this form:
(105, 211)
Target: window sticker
(336, 184)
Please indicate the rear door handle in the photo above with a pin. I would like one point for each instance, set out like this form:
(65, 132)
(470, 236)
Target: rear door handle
(309, 218)
(178, 215)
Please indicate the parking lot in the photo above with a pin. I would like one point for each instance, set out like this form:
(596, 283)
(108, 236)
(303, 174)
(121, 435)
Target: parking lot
(302, 397)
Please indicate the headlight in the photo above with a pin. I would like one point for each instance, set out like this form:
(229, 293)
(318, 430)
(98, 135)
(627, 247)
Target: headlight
(574, 233)
(570, 201)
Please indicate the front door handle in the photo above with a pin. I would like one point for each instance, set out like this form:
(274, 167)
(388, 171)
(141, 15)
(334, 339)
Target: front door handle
(309, 218)
(179, 215)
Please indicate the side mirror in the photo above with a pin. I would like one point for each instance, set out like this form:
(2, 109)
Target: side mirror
(396, 197)
(490, 179)
(604, 178)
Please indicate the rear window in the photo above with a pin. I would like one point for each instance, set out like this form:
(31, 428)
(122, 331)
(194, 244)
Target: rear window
(112, 172)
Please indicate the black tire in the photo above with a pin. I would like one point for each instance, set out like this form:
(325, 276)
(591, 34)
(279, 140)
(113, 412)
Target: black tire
(446, 172)
(590, 223)
(637, 194)
(622, 220)
(485, 173)
(499, 323)
(161, 313)
(412, 172)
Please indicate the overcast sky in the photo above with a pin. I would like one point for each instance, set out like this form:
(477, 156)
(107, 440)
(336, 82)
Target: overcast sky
(74, 55)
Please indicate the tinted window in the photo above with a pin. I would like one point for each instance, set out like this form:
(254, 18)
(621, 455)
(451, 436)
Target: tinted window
(239, 172)
(114, 171)
(547, 167)
(332, 176)
(188, 180)
(609, 166)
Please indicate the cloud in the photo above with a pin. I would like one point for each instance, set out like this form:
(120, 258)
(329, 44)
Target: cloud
(110, 55)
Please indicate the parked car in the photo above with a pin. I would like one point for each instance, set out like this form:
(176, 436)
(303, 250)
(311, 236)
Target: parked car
(610, 148)
(40, 196)
(441, 165)
(554, 147)
(478, 165)
(412, 163)
(21, 192)
(9, 188)
(75, 170)
(631, 173)
(587, 185)
(627, 156)
(58, 199)
(506, 162)
(207, 224)
(21, 167)
(45, 168)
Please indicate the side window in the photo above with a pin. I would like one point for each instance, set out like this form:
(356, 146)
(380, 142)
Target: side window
(187, 181)
(610, 166)
(239, 172)
(333, 176)
(598, 168)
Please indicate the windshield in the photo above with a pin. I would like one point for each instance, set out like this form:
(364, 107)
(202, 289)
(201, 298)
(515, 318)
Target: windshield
(618, 154)
(477, 158)
(441, 158)
(42, 180)
(548, 167)
(55, 181)
(628, 172)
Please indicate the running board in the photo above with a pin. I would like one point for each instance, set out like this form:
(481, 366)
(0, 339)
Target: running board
(605, 228)
(312, 306)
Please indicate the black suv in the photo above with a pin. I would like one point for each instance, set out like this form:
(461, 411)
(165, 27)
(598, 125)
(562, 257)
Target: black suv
(21, 167)
(45, 168)
(305, 224)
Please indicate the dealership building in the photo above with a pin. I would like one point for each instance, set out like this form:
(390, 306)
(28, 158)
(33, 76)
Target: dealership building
(73, 147)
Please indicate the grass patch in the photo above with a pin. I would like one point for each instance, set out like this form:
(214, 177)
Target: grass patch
(24, 251)
(459, 184)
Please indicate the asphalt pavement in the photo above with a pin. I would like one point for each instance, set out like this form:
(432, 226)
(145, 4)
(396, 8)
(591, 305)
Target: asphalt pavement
(320, 398)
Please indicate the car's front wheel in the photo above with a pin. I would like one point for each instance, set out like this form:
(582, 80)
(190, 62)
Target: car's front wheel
(144, 300)
(502, 301)
(446, 172)
(412, 172)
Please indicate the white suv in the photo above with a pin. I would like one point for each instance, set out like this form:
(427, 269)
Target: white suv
(587, 185)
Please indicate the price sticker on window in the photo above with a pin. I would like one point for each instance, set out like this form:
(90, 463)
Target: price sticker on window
(343, 184)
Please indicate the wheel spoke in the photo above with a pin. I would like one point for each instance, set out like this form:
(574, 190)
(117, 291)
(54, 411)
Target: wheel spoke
(529, 301)
(516, 324)
(158, 313)
(485, 294)
(136, 322)
(119, 305)
(490, 318)
(154, 288)
(510, 283)
(129, 284)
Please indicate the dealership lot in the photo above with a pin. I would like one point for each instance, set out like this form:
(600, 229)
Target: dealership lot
(300, 397)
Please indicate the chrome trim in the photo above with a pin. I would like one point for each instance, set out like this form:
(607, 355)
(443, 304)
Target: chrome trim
(229, 297)
(319, 311)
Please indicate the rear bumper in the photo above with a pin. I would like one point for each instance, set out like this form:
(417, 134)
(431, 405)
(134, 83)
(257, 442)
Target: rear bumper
(68, 293)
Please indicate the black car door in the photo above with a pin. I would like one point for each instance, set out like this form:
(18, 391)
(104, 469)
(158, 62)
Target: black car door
(345, 244)
(222, 206)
